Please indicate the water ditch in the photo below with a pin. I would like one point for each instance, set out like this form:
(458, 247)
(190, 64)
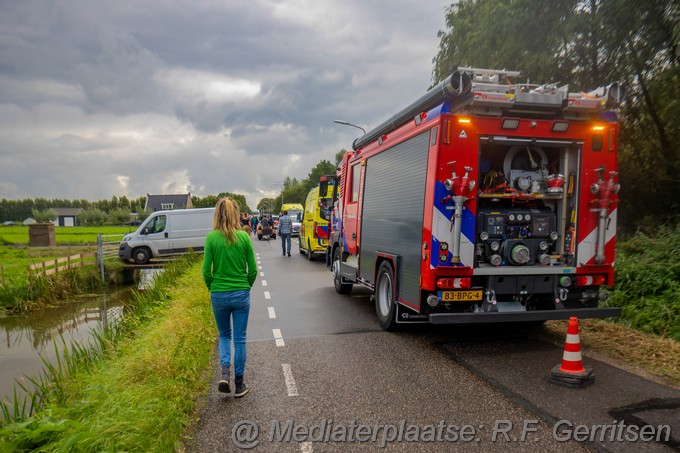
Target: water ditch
(26, 338)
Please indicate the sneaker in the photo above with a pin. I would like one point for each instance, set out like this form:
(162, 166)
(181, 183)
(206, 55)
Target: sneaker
(223, 386)
(241, 390)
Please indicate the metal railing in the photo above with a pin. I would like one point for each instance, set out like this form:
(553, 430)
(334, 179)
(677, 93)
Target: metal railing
(107, 246)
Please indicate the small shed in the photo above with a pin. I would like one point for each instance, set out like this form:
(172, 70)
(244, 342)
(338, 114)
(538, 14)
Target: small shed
(68, 217)
(41, 235)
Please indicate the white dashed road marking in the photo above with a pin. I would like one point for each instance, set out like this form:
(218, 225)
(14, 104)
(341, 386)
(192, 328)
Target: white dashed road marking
(267, 295)
(272, 313)
(290, 382)
(264, 282)
(278, 337)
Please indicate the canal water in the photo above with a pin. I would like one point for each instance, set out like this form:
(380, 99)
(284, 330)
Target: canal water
(25, 339)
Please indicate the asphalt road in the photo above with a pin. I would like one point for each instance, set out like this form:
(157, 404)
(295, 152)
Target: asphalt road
(325, 377)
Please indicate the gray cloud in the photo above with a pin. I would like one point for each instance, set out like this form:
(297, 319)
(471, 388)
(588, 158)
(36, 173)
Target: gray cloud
(127, 98)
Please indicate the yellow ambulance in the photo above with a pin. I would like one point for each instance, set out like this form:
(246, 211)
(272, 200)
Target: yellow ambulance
(314, 229)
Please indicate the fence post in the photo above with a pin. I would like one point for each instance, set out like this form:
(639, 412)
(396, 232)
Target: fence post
(100, 255)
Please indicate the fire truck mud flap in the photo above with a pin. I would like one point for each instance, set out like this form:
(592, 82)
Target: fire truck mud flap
(523, 316)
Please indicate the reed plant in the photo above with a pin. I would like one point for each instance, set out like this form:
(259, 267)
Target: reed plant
(39, 291)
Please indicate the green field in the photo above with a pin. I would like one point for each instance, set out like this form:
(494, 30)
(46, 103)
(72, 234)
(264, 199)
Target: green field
(16, 256)
(18, 235)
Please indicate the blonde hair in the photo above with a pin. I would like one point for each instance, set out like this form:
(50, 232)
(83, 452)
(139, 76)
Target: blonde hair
(227, 218)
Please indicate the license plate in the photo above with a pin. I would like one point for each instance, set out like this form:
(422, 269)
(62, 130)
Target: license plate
(460, 296)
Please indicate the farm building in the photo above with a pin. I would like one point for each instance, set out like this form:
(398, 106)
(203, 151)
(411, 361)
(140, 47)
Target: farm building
(68, 217)
(166, 202)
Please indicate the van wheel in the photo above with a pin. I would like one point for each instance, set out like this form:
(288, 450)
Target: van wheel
(141, 255)
(310, 255)
(384, 297)
(340, 288)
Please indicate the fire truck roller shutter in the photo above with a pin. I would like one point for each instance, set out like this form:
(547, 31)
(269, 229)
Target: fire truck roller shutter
(392, 217)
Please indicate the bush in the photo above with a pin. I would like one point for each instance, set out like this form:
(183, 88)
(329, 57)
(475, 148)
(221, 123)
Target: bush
(44, 216)
(93, 217)
(119, 216)
(647, 284)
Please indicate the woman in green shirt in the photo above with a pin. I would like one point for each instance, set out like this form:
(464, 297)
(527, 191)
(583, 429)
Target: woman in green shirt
(229, 271)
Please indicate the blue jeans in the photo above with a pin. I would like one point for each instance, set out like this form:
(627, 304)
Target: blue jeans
(228, 305)
(285, 239)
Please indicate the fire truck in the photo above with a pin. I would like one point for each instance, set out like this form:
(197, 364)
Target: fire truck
(482, 201)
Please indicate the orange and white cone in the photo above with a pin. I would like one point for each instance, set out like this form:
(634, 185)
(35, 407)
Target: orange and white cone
(571, 372)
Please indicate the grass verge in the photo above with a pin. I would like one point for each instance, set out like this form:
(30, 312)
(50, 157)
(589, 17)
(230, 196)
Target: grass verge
(657, 355)
(141, 394)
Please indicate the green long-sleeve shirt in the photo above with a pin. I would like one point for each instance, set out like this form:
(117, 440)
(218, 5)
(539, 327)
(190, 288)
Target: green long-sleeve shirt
(229, 268)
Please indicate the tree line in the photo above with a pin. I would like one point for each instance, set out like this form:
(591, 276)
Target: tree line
(118, 210)
(588, 44)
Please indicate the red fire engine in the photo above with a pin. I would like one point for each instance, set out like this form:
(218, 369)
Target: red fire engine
(482, 201)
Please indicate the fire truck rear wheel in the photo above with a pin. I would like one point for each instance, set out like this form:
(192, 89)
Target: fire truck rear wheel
(340, 288)
(384, 297)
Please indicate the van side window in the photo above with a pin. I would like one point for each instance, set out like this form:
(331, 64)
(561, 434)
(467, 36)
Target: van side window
(356, 172)
(158, 224)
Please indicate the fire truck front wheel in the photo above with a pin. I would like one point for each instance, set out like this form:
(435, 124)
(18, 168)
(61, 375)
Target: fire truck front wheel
(384, 297)
(340, 287)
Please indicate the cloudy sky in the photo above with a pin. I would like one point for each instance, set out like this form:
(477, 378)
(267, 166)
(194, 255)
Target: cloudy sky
(129, 97)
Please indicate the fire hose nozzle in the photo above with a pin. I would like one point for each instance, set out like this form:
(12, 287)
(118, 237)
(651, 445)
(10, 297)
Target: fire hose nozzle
(594, 189)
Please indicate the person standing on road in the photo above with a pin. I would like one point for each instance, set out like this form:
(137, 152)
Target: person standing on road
(229, 271)
(285, 231)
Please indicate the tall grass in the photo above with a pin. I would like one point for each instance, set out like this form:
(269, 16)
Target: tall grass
(647, 284)
(134, 389)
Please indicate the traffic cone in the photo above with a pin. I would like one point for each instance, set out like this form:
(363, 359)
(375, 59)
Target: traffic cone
(572, 373)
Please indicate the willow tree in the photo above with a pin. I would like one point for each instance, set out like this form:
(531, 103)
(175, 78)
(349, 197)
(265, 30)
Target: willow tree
(589, 44)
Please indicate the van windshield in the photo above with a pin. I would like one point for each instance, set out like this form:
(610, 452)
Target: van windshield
(295, 215)
(156, 225)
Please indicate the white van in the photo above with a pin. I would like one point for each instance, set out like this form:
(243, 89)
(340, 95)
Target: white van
(166, 233)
